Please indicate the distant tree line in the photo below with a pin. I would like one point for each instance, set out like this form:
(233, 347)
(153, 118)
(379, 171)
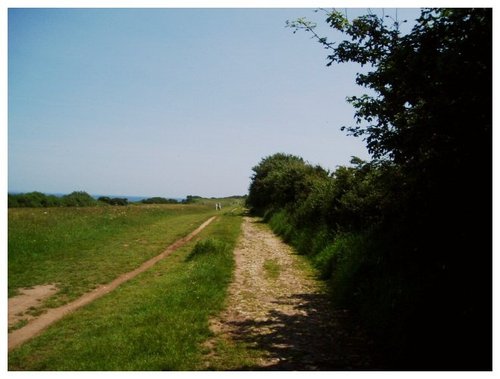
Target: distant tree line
(83, 199)
(404, 240)
(113, 200)
(38, 200)
(190, 199)
(74, 199)
(159, 200)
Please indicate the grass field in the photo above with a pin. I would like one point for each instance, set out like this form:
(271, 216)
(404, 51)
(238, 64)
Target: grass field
(80, 248)
(156, 321)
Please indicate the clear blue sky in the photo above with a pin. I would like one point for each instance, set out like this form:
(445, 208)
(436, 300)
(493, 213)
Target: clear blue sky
(169, 102)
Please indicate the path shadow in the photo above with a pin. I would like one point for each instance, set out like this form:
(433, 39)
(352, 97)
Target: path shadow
(315, 337)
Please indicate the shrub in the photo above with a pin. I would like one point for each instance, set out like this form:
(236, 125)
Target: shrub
(159, 200)
(118, 201)
(78, 199)
(113, 201)
(280, 225)
(33, 200)
(13, 201)
(190, 199)
(282, 180)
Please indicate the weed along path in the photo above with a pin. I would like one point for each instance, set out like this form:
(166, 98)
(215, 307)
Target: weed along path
(278, 315)
(36, 325)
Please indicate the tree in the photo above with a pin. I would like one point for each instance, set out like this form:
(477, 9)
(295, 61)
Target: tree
(432, 86)
(159, 200)
(191, 199)
(282, 180)
(78, 199)
(430, 119)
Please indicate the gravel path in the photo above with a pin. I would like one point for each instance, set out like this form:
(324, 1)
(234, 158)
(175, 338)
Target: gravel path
(277, 307)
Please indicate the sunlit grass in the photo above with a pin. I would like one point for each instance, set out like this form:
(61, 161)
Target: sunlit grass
(80, 248)
(272, 268)
(156, 321)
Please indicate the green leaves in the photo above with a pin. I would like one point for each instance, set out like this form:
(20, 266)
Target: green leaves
(424, 204)
(430, 86)
(281, 180)
(337, 21)
(38, 199)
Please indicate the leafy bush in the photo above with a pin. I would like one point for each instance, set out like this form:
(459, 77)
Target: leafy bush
(113, 201)
(32, 200)
(78, 199)
(13, 201)
(190, 199)
(38, 199)
(324, 261)
(104, 199)
(159, 200)
(282, 180)
(118, 201)
(394, 236)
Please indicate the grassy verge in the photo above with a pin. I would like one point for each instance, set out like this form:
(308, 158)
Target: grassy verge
(80, 248)
(156, 321)
(272, 268)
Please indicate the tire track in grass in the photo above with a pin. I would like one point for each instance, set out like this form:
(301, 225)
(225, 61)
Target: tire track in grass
(34, 327)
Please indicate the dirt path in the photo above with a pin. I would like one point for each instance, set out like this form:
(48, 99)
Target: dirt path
(277, 307)
(29, 298)
(35, 326)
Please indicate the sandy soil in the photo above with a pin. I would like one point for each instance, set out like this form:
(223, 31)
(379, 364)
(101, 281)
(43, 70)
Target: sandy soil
(36, 325)
(29, 298)
(287, 315)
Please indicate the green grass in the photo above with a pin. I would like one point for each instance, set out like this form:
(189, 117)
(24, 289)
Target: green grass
(18, 325)
(157, 321)
(80, 248)
(231, 355)
(272, 268)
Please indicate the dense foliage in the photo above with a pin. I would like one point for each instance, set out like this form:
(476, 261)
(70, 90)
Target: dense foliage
(113, 200)
(282, 180)
(38, 199)
(191, 199)
(159, 200)
(405, 240)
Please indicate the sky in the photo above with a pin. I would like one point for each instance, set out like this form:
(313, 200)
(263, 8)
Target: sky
(170, 102)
